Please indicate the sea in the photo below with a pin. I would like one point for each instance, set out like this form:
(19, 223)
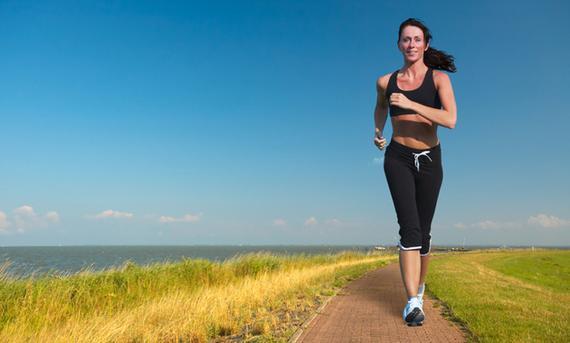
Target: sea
(35, 261)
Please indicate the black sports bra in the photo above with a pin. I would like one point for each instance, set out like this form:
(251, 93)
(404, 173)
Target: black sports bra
(425, 94)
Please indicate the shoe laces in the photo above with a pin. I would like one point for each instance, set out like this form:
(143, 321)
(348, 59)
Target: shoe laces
(414, 302)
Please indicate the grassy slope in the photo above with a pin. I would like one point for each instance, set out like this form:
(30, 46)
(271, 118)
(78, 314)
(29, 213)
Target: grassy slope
(513, 296)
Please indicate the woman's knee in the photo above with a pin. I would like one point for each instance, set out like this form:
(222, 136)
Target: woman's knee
(410, 238)
(426, 246)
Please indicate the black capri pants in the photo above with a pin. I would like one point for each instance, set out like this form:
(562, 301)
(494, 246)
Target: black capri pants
(414, 177)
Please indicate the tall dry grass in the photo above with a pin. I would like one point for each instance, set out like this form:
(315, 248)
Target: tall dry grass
(194, 300)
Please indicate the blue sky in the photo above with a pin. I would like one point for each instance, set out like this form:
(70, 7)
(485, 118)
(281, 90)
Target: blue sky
(251, 122)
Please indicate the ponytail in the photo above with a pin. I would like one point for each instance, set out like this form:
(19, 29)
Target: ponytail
(439, 60)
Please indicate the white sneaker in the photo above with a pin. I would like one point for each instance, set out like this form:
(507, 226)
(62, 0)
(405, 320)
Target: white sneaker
(421, 296)
(421, 300)
(413, 313)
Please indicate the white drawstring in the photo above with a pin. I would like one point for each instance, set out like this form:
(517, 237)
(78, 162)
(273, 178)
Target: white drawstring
(424, 153)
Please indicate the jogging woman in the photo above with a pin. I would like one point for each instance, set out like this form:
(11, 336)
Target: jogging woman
(420, 98)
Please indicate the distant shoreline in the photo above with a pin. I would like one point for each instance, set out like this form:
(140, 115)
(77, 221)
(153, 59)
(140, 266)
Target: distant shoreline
(42, 260)
(277, 245)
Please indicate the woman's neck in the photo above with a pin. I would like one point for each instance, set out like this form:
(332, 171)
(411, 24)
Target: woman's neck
(414, 69)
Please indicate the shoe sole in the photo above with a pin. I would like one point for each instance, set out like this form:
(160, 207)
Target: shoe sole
(415, 317)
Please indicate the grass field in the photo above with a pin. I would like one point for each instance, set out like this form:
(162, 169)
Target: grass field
(505, 296)
(259, 296)
(499, 296)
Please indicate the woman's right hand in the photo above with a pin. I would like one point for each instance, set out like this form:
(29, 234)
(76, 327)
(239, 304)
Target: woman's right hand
(379, 140)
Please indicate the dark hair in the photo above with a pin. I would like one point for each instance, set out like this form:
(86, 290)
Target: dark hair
(432, 57)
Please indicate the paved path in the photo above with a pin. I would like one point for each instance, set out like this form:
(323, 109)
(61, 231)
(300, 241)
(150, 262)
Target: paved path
(369, 309)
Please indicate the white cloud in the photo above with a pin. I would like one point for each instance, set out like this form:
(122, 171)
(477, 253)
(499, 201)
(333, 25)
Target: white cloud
(191, 217)
(113, 214)
(490, 224)
(52, 216)
(166, 219)
(487, 225)
(311, 221)
(187, 218)
(25, 211)
(548, 221)
(378, 160)
(279, 222)
(541, 219)
(24, 218)
(334, 222)
(4, 223)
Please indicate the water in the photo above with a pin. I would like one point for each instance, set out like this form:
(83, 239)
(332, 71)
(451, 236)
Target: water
(26, 261)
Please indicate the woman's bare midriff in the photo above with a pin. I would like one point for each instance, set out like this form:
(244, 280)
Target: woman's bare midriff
(414, 131)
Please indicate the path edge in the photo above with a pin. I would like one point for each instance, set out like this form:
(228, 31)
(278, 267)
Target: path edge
(308, 322)
(319, 310)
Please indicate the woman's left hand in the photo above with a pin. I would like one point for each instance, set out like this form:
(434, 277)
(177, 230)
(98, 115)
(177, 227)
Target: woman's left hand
(400, 100)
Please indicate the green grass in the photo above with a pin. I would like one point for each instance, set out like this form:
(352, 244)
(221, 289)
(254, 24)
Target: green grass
(499, 296)
(547, 269)
(505, 296)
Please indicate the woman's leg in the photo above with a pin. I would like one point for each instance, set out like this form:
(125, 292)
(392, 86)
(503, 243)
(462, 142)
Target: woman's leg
(424, 268)
(410, 271)
(401, 182)
(428, 184)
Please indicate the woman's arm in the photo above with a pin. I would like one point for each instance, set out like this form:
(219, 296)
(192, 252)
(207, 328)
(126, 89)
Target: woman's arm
(445, 117)
(381, 109)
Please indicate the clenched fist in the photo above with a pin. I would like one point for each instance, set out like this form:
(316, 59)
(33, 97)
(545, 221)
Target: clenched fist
(400, 100)
(379, 140)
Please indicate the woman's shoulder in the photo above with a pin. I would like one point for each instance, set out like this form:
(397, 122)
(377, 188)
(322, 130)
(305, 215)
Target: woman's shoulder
(382, 81)
(439, 73)
(440, 77)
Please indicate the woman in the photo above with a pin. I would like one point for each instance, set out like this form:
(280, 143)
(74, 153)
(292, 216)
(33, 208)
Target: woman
(420, 99)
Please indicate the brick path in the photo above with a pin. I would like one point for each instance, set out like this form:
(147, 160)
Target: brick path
(369, 309)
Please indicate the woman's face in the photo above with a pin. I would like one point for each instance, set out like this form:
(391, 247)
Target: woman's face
(412, 44)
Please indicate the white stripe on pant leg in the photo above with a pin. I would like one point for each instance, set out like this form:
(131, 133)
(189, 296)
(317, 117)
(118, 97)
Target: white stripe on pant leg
(404, 248)
(429, 249)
